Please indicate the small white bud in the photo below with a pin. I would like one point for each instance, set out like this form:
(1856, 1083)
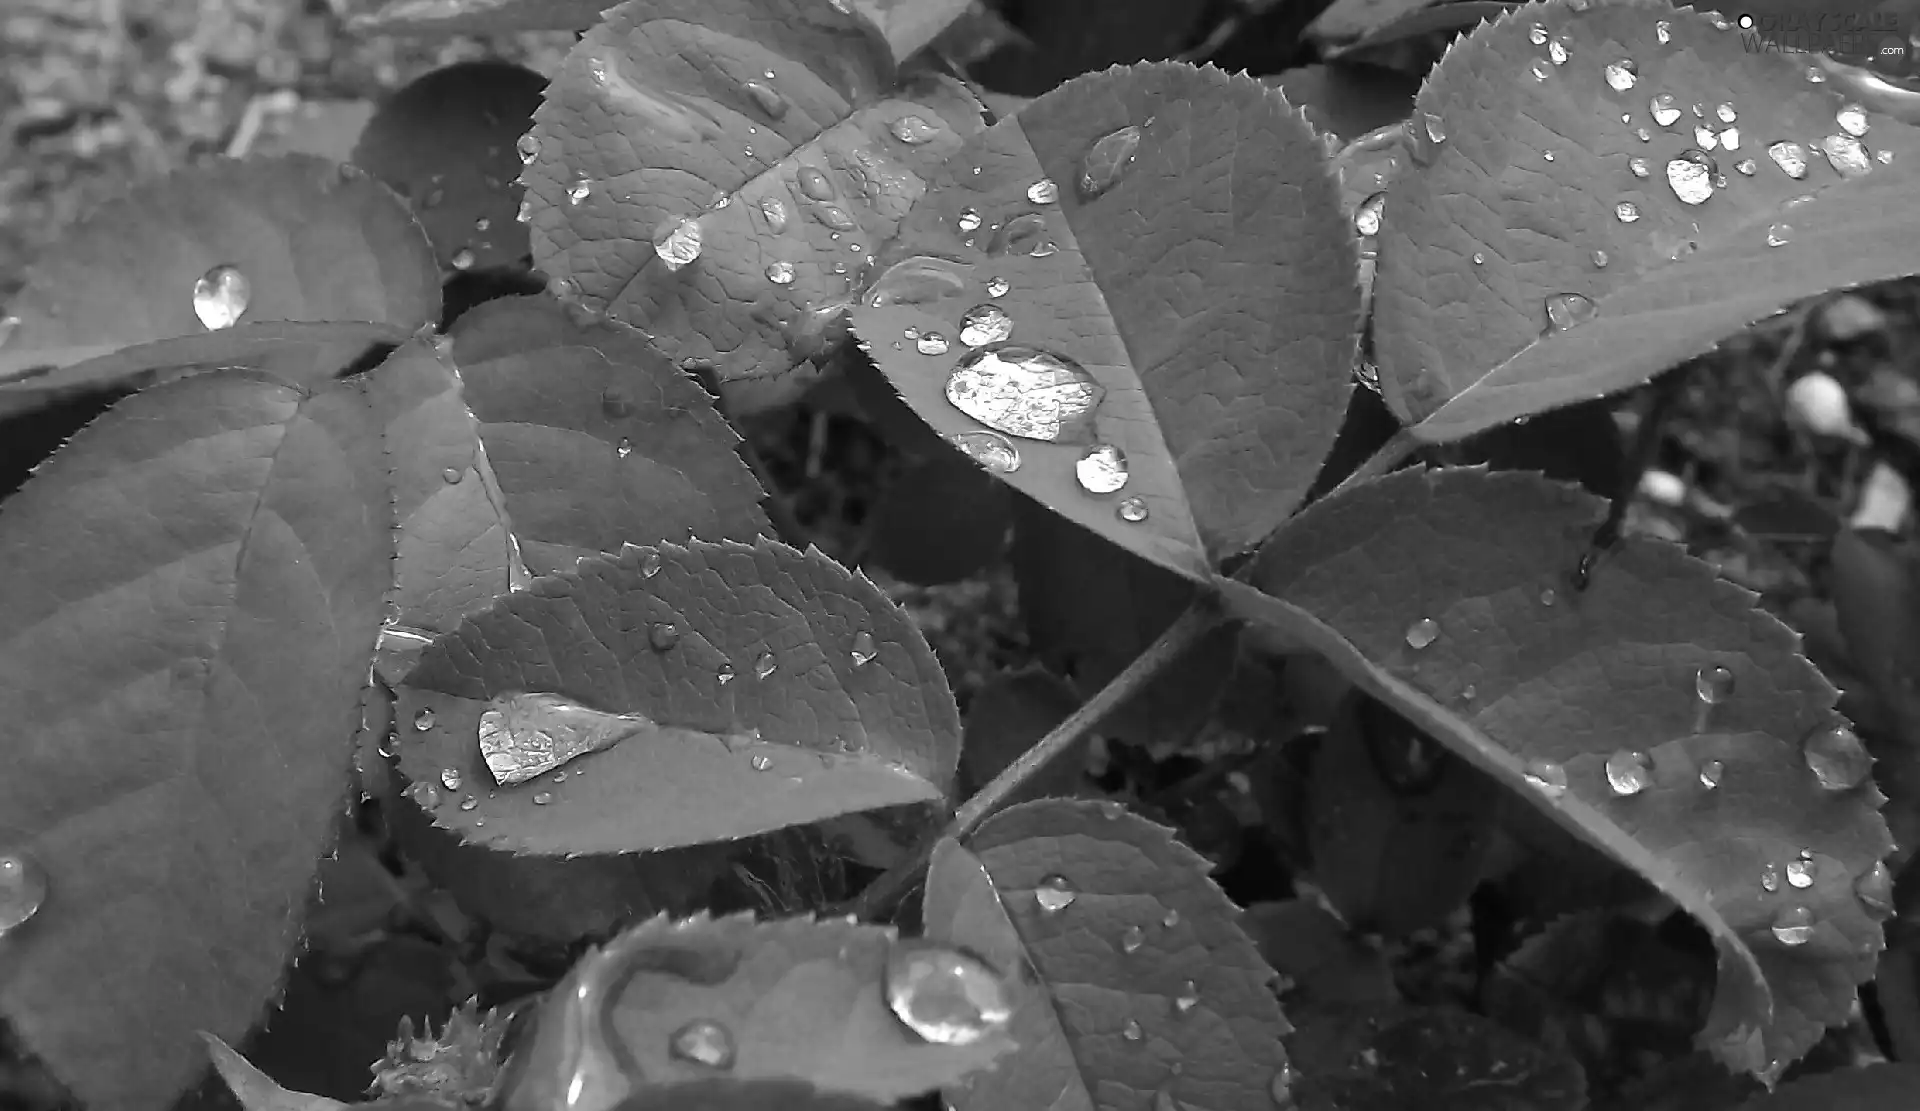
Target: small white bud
(1819, 404)
(1663, 488)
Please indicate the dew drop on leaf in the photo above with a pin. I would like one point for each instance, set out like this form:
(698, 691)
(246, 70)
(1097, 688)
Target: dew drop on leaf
(969, 219)
(528, 146)
(220, 296)
(984, 324)
(760, 762)
(1547, 778)
(1800, 871)
(1102, 470)
(1713, 685)
(1054, 894)
(1711, 773)
(452, 476)
(579, 191)
(766, 98)
(997, 286)
(624, 448)
(932, 343)
(1691, 177)
(1170, 919)
(1131, 939)
(1422, 633)
(724, 675)
(463, 259)
(765, 665)
(864, 650)
(663, 635)
(1626, 212)
(1779, 235)
(1366, 218)
(1600, 260)
(677, 242)
(1188, 999)
(1280, 1088)
(1107, 160)
(774, 211)
(1794, 926)
(1132, 510)
(1837, 758)
(814, 184)
(650, 563)
(1845, 154)
(524, 214)
(1790, 157)
(913, 130)
(1664, 111)
(423, 720)
(1436, 128)
(11, 324)
(945, 996)
(1043, 191)
(1569, 310)
(1024, 392)
(469, 803)
(1628, 772)
(1622, 75)
(989, 449)
(1874, 889)
(1131, 1031)
(703, 1042)
(450, 778)
(918, 280)
(1540, 70)
(835, 217)
(1557, 51)
(1025, 234)
(1747, 167)
(542, 798)
(780, 272)
(1537, 34)
(1852, 119)
(23, 888)
(527, 735)
(1770, 878)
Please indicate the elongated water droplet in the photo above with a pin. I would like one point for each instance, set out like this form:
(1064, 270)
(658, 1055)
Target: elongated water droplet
(1663, 109)
(1691, 177)
(1547, 778)
(1132, 509)
(1770, 878)
(1837, 758)
(677, 242)
(1713, 684)
(1108, 160)
(913, 130)
(1874, 889)
(989, 449)
(969, 219)
(774, 211)
(542, 798)
(1626, 212)
(1790, 157)
(1711, 773)
(765, 665)
(1436, 129)
(220, 296)
(1367, 218)
(984, 324)
(1537, 34)
(1800, 870)
(864, 650)
(703, 1042)
(766, 98)
(1557, 51)
(1025, 392)
(945, 996)
(1794, 926)
(780, 272)
(1131, 939)
(1054, 894)
(1845, 154)
(423, 720)
(917, 280)
(997, 286)
(835, 217)
(1628, 772)
(1568, 310)
(527, 735)
(1622, 75)
(814, 184)
(23, 888)
(1422, 633)
(450, 778)
(932, 343)
(1663, 31)
(1102, 470)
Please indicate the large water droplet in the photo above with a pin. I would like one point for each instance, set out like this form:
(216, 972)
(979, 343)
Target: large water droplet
(220, 296)
(1102, 470)
(1711, 773)
(1054, 894)
(1845, 154)
(969, 219)
(780, 272)
(1422, 633)
(774, 211)
(1622, 75)
(1107, 160)
(1837, 758)
(917, 280)
(945, 996)
(1043, 191)
(1557, 51)
(1568, 310)
(1852, 119)
(1367, 218)
(1132, 510)
(677, 242)
(984, 324)
(766, 98)
(913, 130)
(1800, 871)
(1025, 392)
(1779, 235)
(1794, 926)
(864, 650)
(814, 184)
(1713, 684)
(23, 888)
(663, 635)
(1663, 109)
(1025, 234)
(1628, 772)
(703, 1042)
(989, 449)
(933, 343)
(1874, 889)
(1626, 212)
(1790, 157)
(527, 735)
(1548, 778)
(1691, 177)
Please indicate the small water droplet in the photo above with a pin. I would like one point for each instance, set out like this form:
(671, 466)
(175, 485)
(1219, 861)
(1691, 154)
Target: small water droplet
(1043, 191)
(1422, 633)
(945, 996)
(650, 563)
(997, 286)
(463, 259)
(1540, 70)
(1054, 894)
(663, 635)
(1837, 758)
(528, 146)
(1131, 1031)
(1779, 235)
(677, 242)
(579, 191)
(1537, 34)
(864, 650)
(913, 130)
(1132, 509)
(450, 778)
(1102, 470)
(774, 211)
(1367, 218)
(1747, 167)
(780, 272)
(23, 888)
(1628, 772)
(1874, 889)
(1626, 212)
(724, 675)
(1600, 260)
(1479, 259)
(703, 1042)
(984, 324)
(1800, 870)
(932, 343)
(1663, 109)
(989, 449)
(1557, 51)
(1713, 685)
(624, 448)
(835, 217)
(423, 720)
(1568, 310)
(760, 762)
(1547, 778)
(452, 476)
(1711, 773)
(1845, 154)
(1131, 939)
(1790, 157)
(1622, 75)
(1171, 918)
(220, 296)
(542, 798)
(1794, 926)
(1469, 692)
(1884, 157)
(1436, 129)
(1663, 31)
(814, 184)
(1188, 999)
(766, 98)
(969, 219)
(469, 803)
(1691, 177)
(524, 214)
(1770, 878)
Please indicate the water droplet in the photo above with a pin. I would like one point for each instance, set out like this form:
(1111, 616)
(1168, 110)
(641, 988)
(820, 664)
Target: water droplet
(1107, 160)
(1422, 633)
(780, 272)
(1367, 218)
(1540, 70)
(765, 665)
(1102, 470)
(1837, 758)
(945, 996)
(1663, 109)
(650, 563)
(1713, 685)
(1794, 926)
(1874, 889)
(1663, 31)
(1537, 35)
(1548, 597)
(1691, 177)
(1628, 772)
(989, 449)
(1800, 870)
(1557, 51)
(8, 326)
(1280, 1088)
(913, 130)
(703, 1042)
(760, 762)
(1172, 917)
(1132, 510)
(984, 324)
(1479, 259)
(1746, 166)
(542, 798)
(933, 343)
(814, 184)
(774, 211)
(1622, 75)
(1054, 894)
(1852, 119)
(450, 778)
(624, 448)
(864, 650)
(1436, 129)
(1025, 234)
(766, 98)
(524, 214)
(997, 286)
(1884, 157)
(1043, 191)
(528, 146)
(1711, 773)
(1188, 999)
(463, 259)
(527, 735)
(1779, 235)
(724, 675)
(1600, 260)
(1131, 939)
(423, 720)
(835, 217)
(469, 803)
(1568, 310)
(663, 635)
(969, 219)
(23, 888)
(1790, 157)
(1547, 778)
(1643, 134)
(1845, 154)
(220, 296)
(1131, 1031)
(677, 242)
(1025, 392)
(1548, 155)
(1626, 212)
(917, 280)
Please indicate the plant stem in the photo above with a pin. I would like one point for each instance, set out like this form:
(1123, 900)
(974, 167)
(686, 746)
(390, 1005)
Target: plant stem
(1201, 618)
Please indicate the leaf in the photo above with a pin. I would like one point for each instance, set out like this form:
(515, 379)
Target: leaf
(255, 1090)
(310, 241)
(446, 143)
(300, 352)
(1541, 323)
(797, 999)
(732, 1095)
(1383, 1058)
(1878, 608)
(939, 521)
(1200, 303)
(1887, 1086)
(1007, 717)
(1149, 984)
(754, 144)
(1314, 953)
(1348, 99)
(192, 591)
(323, 128)
(1446, 594)
(1420, 25)
(755, 716)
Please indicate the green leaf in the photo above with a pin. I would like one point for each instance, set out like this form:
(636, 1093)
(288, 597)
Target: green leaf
(1191, 307)
(768, 687)
(1008, 716)
(1449, 595)
(446, 143)
(1348, 99)
(1878, 605)
(719, 173)
(795, 1000)
(1147, 982)
(299, 352)
(1594, 277)
(303, 239)
(255, 1090)
(192, 591)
